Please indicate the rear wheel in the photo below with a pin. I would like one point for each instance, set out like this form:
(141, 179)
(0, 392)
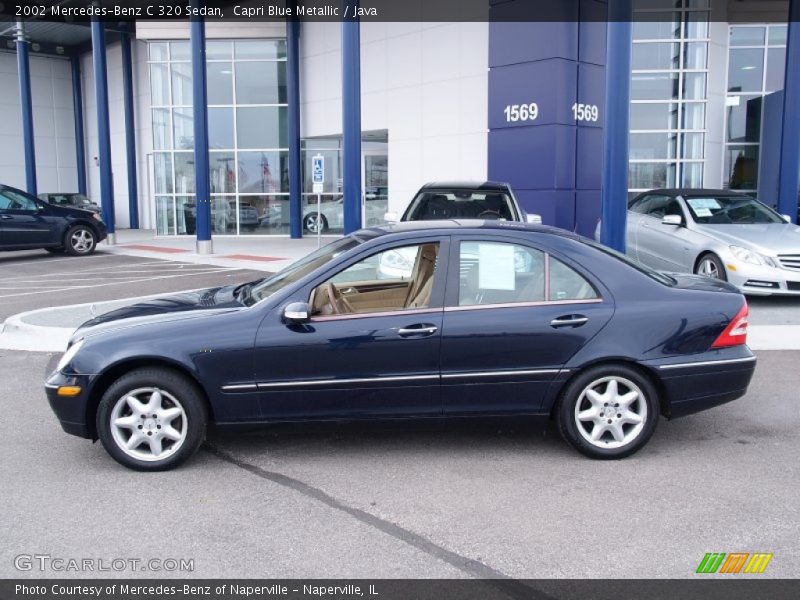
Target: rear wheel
(711, 266)
(152, 419)
(80, 240)
(608, 412)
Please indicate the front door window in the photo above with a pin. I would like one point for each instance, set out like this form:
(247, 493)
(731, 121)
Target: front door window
(393, 280)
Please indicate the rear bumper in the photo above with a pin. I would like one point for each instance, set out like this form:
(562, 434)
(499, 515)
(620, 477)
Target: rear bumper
(706, 382)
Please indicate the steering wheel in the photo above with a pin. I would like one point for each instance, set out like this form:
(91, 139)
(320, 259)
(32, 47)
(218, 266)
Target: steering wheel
(489, 214)
(339, 304)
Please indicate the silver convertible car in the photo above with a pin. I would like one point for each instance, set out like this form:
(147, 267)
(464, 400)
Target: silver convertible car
(717, 233)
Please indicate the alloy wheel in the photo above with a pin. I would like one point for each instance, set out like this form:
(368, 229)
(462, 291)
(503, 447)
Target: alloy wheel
(148, 424)
(611, 412)
(82, 241)
(313, 223)
(708, 268)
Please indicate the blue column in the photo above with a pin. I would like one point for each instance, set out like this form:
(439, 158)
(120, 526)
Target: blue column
(77, 109)
(197, 34)
(789, 174)
(351, 123)
(103, 129)
(293, 93)
(614, 186)
(130, 129)
(24, 72)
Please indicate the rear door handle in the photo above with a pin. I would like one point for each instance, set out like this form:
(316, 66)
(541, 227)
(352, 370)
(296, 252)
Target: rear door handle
(569, 321)
(6, 217)
(419, 330)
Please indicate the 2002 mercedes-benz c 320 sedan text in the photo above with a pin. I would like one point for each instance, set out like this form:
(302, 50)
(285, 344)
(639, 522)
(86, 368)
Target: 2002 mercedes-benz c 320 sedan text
(493, 318)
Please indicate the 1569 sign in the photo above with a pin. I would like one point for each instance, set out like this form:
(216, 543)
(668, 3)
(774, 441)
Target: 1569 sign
(521, 112)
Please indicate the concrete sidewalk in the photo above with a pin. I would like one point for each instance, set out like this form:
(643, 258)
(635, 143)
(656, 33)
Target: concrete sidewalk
(263, 253)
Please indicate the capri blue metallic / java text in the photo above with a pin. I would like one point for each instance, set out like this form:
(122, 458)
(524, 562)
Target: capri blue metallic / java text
(473, 319)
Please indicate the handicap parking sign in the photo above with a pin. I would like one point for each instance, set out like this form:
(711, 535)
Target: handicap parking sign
(318, 172)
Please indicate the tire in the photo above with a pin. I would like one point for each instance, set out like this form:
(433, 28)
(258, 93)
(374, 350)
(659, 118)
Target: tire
(622, 436)
(80, 240)
(56, 250)
(309, 223)
(178, 429)
(710, 265)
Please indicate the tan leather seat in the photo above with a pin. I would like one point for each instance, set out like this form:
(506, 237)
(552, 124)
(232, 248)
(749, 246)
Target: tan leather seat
(419, 291)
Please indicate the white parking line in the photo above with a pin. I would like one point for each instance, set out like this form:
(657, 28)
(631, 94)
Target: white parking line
(191, 268)
(64, 289)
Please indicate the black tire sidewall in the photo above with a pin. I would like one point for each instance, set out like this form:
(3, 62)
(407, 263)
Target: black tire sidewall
(565, 411)
(182, 388)
(68, 240)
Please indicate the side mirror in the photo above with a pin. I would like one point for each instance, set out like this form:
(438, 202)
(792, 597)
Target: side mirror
(672, 220)
(296, 313)
(391, 217)
(535, 219)
(787, 218)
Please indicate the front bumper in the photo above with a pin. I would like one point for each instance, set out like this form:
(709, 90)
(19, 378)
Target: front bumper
(763, 280)
(71, 411)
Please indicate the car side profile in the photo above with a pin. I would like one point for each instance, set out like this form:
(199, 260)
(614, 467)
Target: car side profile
(495, 319)
(26, 223)
(717, 233)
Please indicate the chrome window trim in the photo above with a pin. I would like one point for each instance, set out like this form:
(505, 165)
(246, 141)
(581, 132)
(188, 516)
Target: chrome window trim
(388, 313)
(705, 363)
(522, 304)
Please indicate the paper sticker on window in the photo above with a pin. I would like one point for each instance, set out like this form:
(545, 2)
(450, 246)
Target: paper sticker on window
(496, 267)
(699, 203)
(702, 212)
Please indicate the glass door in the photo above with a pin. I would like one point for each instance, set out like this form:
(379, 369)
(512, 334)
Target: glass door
(375, 186)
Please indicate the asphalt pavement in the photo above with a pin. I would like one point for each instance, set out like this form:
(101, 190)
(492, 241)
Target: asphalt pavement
(411, 501)
(36, 279)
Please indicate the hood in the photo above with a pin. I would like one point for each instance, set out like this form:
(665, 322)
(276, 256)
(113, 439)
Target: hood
(701, 283)
(766, 238)
(168, 308)
(71, 211)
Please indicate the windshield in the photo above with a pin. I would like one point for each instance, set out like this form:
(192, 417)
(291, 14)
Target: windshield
(653, 274)
(731, 210)
(461, 204)
(296, 271)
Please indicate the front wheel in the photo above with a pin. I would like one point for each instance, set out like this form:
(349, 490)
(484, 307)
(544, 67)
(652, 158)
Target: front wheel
(315, 223)
(152, 419)
(711, 266)
(608, 412)
(80, 240)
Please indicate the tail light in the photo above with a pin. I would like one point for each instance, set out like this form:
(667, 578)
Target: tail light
(735, 334)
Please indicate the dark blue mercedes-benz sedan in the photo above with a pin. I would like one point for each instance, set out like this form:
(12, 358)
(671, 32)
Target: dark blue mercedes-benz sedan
(426, 320)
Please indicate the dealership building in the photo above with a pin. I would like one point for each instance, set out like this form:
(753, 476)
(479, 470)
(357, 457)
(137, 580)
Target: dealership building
(110, 110)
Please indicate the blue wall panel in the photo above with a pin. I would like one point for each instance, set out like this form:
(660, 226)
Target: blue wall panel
(553, 163)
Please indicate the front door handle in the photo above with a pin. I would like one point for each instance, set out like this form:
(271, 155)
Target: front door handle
(569, 321)
(419, 330)
(6, 217)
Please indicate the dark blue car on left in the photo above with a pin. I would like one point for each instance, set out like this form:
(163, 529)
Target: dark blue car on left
(27, 223)
(426, 320)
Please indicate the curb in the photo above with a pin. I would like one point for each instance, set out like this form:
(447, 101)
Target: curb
(17, 334)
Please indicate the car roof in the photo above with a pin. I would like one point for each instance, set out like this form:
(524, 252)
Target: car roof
(491, 186)
(464, 226)
(692, 192)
